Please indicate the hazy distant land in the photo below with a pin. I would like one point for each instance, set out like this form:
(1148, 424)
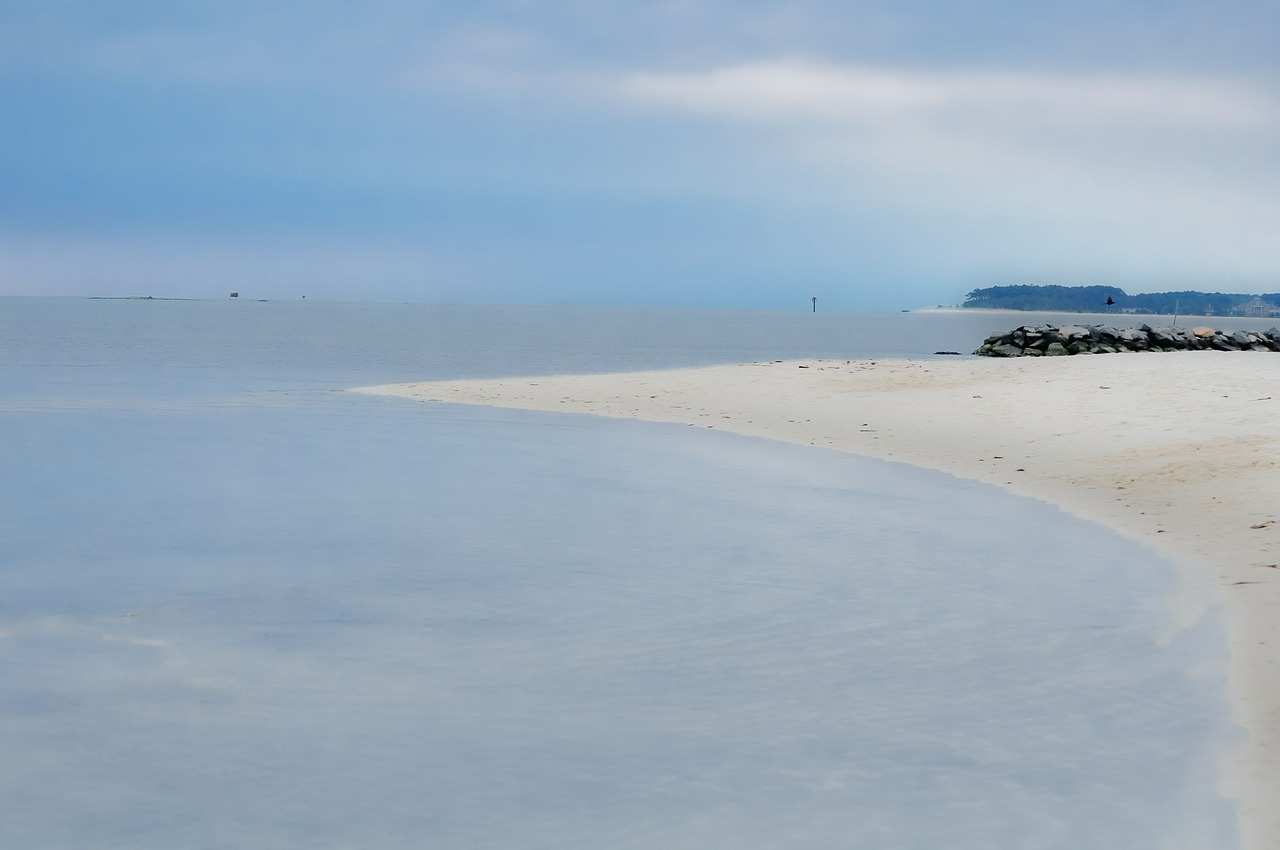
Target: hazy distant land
(1110, 299)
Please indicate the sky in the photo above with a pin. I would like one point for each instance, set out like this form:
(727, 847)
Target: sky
(877, 155)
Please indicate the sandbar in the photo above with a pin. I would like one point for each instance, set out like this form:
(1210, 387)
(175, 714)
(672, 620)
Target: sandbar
(1179, 450)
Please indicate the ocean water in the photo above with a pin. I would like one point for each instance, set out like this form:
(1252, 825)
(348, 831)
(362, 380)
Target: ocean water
(240, 607)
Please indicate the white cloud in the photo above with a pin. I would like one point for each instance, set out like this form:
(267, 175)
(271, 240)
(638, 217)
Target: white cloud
(853, 95)
(1145, 171)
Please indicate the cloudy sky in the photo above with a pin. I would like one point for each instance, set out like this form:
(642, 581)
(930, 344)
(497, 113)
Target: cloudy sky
(878, 155)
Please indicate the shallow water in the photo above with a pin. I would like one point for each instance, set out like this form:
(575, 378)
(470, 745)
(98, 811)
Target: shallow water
(242, 609)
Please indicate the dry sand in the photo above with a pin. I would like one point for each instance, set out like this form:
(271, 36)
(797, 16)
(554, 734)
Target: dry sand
(1177, 450)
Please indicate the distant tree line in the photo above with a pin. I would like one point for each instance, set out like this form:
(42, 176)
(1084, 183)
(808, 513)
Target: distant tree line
(1110, 299)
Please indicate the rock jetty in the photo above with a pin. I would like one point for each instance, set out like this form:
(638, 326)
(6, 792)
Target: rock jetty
(1052, 341)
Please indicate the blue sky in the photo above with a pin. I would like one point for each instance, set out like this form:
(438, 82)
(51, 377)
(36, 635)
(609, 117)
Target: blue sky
(877, 155)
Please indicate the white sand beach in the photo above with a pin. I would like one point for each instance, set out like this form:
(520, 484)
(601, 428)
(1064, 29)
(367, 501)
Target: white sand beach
(1178, 450)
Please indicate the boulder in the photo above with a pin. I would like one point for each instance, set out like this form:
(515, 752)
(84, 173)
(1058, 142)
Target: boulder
(1222, 342)
(1047, 340)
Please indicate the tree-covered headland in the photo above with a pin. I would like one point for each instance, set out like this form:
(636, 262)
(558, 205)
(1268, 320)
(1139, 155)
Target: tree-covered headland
(1110, 299)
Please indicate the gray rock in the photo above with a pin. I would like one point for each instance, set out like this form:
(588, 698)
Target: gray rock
(1047, 340)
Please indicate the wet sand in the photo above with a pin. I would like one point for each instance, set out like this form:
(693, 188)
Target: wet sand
(1177, 450)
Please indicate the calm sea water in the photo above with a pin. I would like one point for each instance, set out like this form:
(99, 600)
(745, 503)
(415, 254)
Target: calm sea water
(242, 608)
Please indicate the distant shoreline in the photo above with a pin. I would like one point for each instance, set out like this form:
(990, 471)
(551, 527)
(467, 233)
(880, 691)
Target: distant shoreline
(139, 298)
(1041, 297)
(1122, 317)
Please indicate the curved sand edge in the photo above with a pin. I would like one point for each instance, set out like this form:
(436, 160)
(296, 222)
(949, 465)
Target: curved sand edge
(1178, 450)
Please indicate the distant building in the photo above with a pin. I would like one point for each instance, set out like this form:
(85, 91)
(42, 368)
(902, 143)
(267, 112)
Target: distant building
(1259, 309)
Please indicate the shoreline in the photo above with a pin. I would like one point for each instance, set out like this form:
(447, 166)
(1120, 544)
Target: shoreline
(1179, 451)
